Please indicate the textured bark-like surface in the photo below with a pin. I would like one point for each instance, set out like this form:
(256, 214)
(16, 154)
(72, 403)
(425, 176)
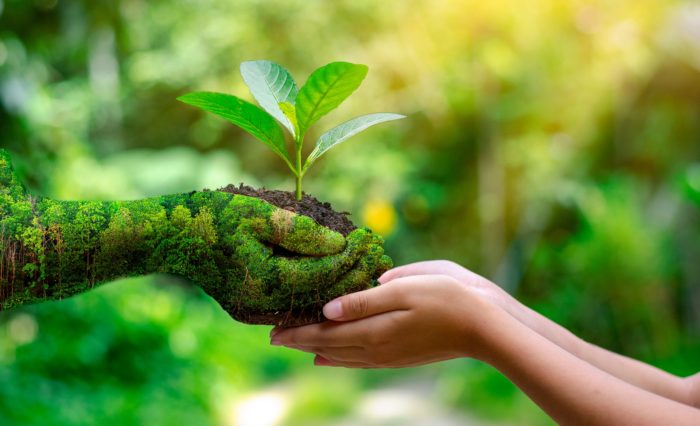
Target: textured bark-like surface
(262, 264)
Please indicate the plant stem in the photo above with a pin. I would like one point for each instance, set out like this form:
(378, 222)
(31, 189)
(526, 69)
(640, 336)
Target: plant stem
(299, 174)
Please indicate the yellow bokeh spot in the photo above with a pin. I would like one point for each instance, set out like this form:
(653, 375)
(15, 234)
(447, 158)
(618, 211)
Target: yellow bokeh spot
(379, 216)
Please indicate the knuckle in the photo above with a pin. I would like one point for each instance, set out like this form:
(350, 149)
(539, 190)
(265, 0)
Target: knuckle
(358, 305)
(403, 295)
(299, 336)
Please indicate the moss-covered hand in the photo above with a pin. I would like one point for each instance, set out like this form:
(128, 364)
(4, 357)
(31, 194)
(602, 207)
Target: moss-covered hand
(261, 263)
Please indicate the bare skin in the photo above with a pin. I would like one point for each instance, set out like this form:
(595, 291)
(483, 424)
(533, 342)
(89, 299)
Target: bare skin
(437, 310)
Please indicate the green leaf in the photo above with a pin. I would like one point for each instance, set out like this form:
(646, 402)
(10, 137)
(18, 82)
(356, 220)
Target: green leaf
(270, 84)
(326, 88)
(342, 132)
(244, 115)
(290, 112)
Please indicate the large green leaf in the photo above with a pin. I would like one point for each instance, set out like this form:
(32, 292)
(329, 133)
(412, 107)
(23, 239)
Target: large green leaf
(326, 88)
(342, 132)
(270, 84)
(244, 115)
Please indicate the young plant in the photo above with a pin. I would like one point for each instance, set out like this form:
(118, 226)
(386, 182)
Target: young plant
(296, 109)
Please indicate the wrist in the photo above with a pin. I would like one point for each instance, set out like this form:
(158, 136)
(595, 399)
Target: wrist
(480, 334)
(503, 330)
(494, 293)
(518, 311)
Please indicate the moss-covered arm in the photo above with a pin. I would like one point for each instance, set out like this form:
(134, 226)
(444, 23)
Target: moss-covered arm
(261, 263)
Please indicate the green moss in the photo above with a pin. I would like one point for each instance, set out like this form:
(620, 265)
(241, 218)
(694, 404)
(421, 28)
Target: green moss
(261, 263)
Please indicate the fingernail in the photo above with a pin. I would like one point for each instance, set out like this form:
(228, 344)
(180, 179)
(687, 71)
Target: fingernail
(333, 309)
(275, 342)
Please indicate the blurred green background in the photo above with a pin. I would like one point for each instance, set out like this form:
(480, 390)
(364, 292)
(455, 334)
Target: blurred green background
(552, 146)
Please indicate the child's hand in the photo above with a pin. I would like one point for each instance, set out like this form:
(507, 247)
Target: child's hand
(475, 282)
(405, 322)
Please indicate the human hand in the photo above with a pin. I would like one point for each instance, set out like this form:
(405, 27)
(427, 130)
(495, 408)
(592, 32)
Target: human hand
(475, 282)
(405, 322)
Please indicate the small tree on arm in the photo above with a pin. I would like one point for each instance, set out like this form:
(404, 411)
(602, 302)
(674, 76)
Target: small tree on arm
(296, 109)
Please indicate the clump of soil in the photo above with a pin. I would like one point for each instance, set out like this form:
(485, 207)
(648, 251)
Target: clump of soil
(322, 213)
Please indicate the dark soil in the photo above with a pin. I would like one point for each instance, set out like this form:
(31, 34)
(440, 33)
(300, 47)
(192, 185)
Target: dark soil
(322, 213)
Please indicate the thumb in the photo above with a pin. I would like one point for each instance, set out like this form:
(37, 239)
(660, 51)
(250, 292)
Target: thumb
(365, 303)
(301, 234)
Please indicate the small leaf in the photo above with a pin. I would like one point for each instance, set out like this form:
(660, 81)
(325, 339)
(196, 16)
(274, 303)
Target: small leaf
(290, 112)
(270, 84)
(326, 88)
(244, 115)
(342, 132)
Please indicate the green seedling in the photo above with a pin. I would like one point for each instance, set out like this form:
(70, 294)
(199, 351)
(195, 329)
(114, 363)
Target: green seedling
(296, 109)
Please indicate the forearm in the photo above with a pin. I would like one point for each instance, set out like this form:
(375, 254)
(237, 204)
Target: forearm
(218, 241)
(632, 371)
(629, 370)
(55, 249)
(572, 390)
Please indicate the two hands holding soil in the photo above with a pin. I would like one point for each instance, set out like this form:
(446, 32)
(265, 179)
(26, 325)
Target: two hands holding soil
(268, 265)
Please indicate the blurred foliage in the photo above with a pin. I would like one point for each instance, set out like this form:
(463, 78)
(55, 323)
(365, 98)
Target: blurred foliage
(552, 146)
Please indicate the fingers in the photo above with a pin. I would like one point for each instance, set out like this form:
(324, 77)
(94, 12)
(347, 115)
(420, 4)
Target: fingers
(417, 268)
(323, 273)
(343, 353)
(325, 362)
(296, 233)
(326, 334)
(399, 271)
(351, 270)
(430, 267)
(409, 321)
(300, 283)
(365, 303)
(354, 343)
(331, 334)
(301, 234)
(385, 263)
(362, 275)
